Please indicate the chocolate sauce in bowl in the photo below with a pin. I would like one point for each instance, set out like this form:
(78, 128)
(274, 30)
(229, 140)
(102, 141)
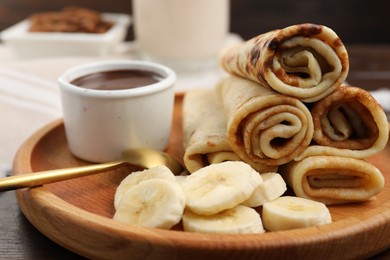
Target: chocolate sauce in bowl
(118, 79)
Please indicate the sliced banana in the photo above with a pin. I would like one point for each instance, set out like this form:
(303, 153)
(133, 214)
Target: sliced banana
(154, 203)
(161, 172)
(220, 186)
(180, 178)
(289, 212)
(237, 220)
(273, 187)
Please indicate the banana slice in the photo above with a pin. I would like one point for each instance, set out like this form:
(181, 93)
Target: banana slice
(289, 212)
(154, 203)
(237, 220)
(161, 172)
(220, 186)
(180, 178)
(273, 187)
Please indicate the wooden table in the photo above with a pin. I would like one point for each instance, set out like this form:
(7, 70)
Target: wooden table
(370, 69)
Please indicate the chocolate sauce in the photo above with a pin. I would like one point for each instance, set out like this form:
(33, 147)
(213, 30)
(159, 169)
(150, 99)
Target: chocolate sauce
(117, 79)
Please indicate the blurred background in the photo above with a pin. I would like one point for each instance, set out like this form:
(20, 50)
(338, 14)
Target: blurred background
(355, 21)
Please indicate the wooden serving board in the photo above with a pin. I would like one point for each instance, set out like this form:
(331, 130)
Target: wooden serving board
(77, 215)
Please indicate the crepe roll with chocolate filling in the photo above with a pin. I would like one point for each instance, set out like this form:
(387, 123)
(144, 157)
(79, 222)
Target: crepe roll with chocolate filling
(306, 61)
(350, 123)
(204, 129)
(264, 126)
(333, 179)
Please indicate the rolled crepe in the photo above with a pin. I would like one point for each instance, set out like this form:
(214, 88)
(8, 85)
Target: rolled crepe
(333, 179)
(264, 126)
(204, 129)
(350, 123)
(306, 61)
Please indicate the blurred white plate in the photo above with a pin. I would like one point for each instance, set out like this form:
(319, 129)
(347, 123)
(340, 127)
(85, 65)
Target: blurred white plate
(27, 44)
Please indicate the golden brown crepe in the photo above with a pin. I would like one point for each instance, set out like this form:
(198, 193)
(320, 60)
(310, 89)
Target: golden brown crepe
(333, 179)
(306, 61)
(204, 127)
(350, 123)
(264, 126)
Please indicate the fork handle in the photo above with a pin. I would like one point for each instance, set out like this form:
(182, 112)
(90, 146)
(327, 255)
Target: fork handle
(44, 177)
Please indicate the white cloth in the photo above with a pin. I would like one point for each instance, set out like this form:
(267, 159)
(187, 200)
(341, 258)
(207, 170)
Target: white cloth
(26, 104)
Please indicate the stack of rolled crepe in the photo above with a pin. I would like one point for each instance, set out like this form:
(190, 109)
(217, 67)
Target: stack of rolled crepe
(274, 78)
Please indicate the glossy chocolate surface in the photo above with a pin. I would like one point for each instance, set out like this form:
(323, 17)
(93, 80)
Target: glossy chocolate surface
(117, 79)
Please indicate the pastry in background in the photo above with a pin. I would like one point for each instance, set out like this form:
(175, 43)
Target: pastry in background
(70, 19)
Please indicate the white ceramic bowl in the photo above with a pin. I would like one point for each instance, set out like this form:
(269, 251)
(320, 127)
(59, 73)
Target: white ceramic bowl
(27, 44)
(102, 124)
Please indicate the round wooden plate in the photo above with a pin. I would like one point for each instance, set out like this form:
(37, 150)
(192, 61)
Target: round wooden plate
(77, 215)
